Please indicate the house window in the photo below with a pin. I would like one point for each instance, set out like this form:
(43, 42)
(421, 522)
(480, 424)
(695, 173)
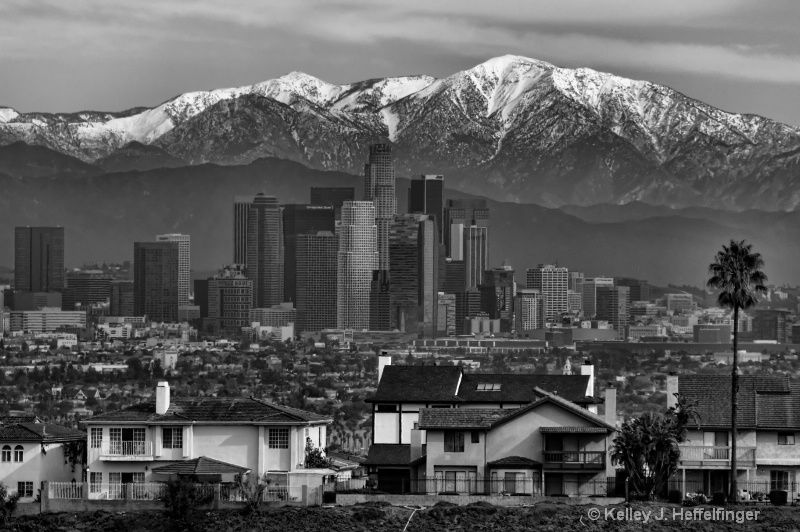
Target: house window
(279, 438)
(138, 477)
(172, 437)
(95, 482)
(97, 438)
(453, 442)
(476, 436)
(779, 480)
(25, 489)
(115, 478)
(488, 387)
(786, 438)
(115, 434)
(19, 453)
(6, 453)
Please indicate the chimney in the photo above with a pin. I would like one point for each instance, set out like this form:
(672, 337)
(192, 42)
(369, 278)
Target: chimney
(416, 443)
(162, 397)
(587, 368)
(383, 361)
(611, 404)
(672, 389)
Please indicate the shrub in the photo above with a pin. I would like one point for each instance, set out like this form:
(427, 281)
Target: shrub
(778, 497)
(675, 496)
(328, 497)
(718, 499)
(252, 491)
(8, 504)
(182, 497)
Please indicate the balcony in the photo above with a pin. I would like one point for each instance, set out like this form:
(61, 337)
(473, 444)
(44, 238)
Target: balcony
(574, 459)
(716, 457)
(126, 451)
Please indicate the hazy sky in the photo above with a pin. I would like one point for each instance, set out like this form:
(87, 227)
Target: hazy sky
(65, 56)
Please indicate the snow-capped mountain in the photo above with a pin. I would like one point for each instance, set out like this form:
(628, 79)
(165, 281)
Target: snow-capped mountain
(510, 128)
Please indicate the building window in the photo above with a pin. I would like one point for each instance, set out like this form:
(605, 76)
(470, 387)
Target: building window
(115, 434)
(453, 442)
(779, 480)
(786, 438)
(95, 482)
(138, 477)
(488, 387)
(387, 408)
(97, 438)
(6, 453)
(278, 438)
(172, 437)
(115, 478)
(476, 436)
(19, 453)
(25, 489)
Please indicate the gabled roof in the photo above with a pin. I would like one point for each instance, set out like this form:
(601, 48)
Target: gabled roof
(389, 454)
(460, 418)
(765, 402)
(514, 461)
(418, 384)
(39, 432)
(559, 401)
(199, 466)
(211, 409)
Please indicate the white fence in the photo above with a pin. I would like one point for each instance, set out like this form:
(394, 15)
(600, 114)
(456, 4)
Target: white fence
(65, 490)
(134, 490)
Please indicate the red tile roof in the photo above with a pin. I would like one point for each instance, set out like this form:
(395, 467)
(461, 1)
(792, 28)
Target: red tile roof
(199, 466)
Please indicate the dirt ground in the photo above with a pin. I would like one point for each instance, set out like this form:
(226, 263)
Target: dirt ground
(480, 517)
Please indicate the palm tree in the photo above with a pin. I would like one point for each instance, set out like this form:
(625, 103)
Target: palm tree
(736, 273)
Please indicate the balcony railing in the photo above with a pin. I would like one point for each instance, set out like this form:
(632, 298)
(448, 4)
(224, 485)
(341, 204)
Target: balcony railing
(126, 450)
(579, 459)
(716, 455)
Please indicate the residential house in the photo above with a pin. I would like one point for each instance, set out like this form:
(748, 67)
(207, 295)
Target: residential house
(130, 444)
(768, 422)
(31, 452)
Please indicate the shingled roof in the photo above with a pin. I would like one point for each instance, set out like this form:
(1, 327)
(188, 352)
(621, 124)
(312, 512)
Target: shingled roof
(460, 418)
(765, 402)
(419, 384)
(211, 409)
(199, 466)
(39, 432)
(388, 454)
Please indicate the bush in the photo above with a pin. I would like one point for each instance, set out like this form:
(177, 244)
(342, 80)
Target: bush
(778, 497)
(8, 504)
(675, 496)
(718, 499)
(182, 497)
(328, 497)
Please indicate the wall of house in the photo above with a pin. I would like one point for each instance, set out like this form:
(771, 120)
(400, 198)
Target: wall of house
(387, 427)
(699, 438)
(37, 466)
(767, 448)
(235, 444)
(437, 458)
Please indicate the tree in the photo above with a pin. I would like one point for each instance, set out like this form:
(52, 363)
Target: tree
(736, 273)
(314, 457)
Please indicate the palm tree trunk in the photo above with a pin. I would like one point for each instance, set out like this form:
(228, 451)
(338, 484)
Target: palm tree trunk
(732, 497)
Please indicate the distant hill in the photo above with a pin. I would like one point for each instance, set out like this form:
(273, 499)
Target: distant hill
(105, 214)
(138, 156)
(23, 160)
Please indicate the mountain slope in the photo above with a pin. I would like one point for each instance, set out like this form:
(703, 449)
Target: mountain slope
(22, 160)
(512, 128)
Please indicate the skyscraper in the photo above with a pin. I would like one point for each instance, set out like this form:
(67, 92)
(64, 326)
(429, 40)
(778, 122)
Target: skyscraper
(241, 208)
(122, 295)
(155, 280)
(426, 195)
(551, 281)
(86, 288)
(476, 254)
(265, 251)
(38, 259)
(357, 259)
(446, 315)
(379, 188)
(612, 305)
(333, 196)
(497, 296)
(529, 310)
(317, 257)
(640, 289)
(230, 298)
(590, 285)
(458, 215)
(184, 263)
(297, 220)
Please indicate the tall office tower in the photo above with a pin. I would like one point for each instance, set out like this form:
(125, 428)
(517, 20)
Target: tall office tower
(446, 315)
(297, 220)
(458, 215)
(575, 283)
(86, 288)
(184, 263)
(241, 209)
(265, 251)
(468, 304)
(379, 188)
(155, 280)
(574, 301)
(380, 302)
(201, 296)
(122, 297)
(640, 290)
(38, 259)
(529, 310)
(334, 196)
(414, 273)
(454, 279)
(552, 282)
(612, 305)
(476, 254)
(590, 285)
(357, 259)
(426, 195)
(772, 324)
(316, 280)
(497, 296)
(230, 298)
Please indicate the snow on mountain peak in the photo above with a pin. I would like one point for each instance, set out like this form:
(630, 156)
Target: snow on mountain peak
(287, 87)
(7, 114)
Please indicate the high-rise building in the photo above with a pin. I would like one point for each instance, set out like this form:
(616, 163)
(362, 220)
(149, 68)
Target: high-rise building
(184, 263)
(38, 259)
(241, 209)
(679, 303)
(529, 310)
(426, 195)
(454, 279)
(458, 215)
(552, 283)
(575, 301)
(46, 320)
(275, 316)
(497, 296)
(230, 298)
(333, 196)
(772, 324)
(201, 296)
(640, 290)
(357, 259)
(379, 188)
(155, 280)
(476, 254)
(468, 304)
(265, 251)
(590, 285)
(380, 302)
(317, 257)
(612, 306)
(122, 297)
(297, 220)
(446, 315)
(575, 284)
(86, 288)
